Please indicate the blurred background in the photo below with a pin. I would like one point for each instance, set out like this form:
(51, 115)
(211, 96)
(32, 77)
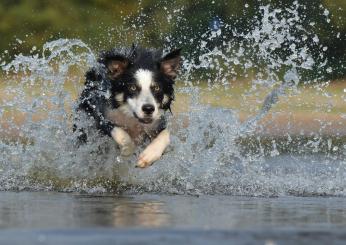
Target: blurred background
(25, 25)
(259, 78)
(236, 53)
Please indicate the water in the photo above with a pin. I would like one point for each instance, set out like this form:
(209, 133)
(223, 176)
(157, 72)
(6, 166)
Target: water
(51, 210)
(239, 169)
(214, 150)
(55, 218)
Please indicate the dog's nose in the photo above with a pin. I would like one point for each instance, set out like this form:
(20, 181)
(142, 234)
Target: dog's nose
(148, 109)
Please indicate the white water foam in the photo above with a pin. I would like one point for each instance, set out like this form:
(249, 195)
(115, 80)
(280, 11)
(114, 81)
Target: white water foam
(204, 157)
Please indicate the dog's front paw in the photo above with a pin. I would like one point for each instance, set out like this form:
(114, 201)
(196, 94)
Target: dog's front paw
(126, 144)
(127, 149)
(148, 156)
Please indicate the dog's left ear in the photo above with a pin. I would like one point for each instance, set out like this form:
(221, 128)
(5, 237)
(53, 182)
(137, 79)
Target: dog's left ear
(170, 63)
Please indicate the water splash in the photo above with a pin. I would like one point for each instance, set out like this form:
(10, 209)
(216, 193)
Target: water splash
(212, 150)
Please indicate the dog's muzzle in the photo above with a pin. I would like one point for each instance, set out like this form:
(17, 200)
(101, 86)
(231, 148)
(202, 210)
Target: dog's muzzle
(145, 120)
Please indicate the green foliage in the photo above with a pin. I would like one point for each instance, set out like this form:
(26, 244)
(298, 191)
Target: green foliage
(105, 23)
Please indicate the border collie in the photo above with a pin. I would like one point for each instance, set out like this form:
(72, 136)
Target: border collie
(127, 94)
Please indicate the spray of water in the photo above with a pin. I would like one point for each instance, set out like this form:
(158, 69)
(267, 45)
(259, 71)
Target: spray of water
(37, 144)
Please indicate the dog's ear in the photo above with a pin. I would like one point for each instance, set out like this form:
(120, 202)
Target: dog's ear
(116, 61)
(170, 63)
(116, 66)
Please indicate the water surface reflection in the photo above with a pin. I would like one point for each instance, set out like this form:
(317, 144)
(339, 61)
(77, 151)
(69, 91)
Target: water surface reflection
(63, 210)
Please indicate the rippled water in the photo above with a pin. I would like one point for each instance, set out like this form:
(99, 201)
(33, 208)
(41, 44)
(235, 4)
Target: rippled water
(55, 218)
(50, 210)
(211, 150)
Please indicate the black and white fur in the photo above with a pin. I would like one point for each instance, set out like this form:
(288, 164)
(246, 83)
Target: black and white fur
(127, 94)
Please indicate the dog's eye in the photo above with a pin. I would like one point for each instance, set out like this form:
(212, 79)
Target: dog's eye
(156, 88)
(133, 88)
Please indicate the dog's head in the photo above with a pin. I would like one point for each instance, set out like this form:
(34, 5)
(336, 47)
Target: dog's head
(142, 81)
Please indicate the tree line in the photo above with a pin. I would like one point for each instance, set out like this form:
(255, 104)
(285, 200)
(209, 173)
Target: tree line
(25, 25)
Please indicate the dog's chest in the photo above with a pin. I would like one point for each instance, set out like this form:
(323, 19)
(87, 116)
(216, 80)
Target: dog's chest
(132, 126)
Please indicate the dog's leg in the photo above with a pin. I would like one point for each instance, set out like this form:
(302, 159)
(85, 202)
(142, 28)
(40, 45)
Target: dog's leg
(154, 150)
(126, 144)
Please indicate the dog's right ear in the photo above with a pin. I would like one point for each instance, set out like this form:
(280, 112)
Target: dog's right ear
(114, 62)
(170, 63)
(116, 66)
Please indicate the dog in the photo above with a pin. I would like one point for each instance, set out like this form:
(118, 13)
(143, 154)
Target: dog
(127, 93)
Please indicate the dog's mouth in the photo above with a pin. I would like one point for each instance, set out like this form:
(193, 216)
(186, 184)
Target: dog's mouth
(145, 120)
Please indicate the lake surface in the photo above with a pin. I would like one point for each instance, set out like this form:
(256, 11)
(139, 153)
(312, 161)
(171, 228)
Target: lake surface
(63, 210)
(51, 218)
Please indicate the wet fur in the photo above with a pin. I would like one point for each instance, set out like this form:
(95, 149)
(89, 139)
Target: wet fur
(115, 93)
